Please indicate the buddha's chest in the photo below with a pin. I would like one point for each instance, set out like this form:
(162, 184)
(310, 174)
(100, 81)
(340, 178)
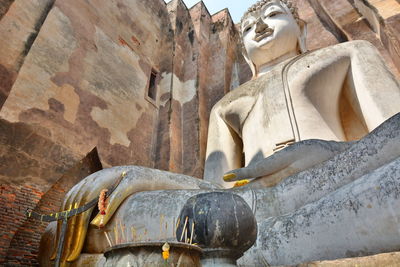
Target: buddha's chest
(269, 125)
(287, 105)
(258, 112)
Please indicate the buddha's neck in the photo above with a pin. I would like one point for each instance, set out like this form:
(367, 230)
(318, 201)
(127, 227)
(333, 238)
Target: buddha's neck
(270, 65)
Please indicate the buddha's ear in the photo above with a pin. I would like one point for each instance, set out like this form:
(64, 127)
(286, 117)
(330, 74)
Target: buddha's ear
(249, 62)
(302, 40)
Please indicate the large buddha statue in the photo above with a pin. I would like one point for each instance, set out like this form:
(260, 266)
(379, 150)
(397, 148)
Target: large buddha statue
(338, 93)
(317, 191)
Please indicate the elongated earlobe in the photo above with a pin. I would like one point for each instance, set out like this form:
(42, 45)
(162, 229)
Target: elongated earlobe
(302, 39)
(250, 63)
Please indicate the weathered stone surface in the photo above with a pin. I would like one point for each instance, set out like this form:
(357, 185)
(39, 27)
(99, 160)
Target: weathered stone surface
(78, 78)
(21, 235)
(317, 34)
(184, 105)
(78, 72)
(382, 16)
(321, 213)
(29, 156)
(384, 259)
(343, 19)
(319, 230)
(309, 207)
(20, 22)
(81, 81)
(208, 219)
(147, 254)
(205, 51)
(85, 76)
(4, 6)
(202, 23)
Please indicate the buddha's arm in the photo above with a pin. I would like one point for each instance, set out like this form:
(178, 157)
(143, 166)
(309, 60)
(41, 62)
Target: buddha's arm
(372, 89)
(224, 149)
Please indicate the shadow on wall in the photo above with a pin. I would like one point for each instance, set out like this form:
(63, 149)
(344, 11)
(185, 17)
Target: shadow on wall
(27, 237)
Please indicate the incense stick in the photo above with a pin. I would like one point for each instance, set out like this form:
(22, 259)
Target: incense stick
(133, 233)
(116, 234)
(108, 239)
(184, 227)
(177, 223)
(122, 232)
(186, 238)
(172, 228)
(176, 228)
(191, 234)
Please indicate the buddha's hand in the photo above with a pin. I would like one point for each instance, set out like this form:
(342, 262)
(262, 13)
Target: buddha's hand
(85, 191)
(291, 160)
(126, 180)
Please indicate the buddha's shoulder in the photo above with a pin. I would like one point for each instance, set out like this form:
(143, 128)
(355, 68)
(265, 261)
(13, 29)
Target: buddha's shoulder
(313, 61)
(247, 92)
(351, 48)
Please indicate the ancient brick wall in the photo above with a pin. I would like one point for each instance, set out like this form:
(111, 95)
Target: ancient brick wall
(20, 236)
(85, 71)
(15, 201)
(20, 23)
(74, 82)
(184, 99)
(204, 53)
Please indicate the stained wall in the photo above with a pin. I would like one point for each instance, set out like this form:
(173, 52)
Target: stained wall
(376, 21)
(75, 84)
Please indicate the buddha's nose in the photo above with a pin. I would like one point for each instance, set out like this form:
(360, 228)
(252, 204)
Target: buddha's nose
(261, 26)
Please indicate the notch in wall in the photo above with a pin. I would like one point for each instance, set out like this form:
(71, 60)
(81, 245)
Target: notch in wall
(151, 93)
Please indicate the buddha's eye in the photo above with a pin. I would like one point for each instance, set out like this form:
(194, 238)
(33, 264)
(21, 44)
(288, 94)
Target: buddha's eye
(247, 29)
(273, 14)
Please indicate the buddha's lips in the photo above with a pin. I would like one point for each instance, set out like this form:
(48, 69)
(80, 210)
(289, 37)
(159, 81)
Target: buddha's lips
(263, 35)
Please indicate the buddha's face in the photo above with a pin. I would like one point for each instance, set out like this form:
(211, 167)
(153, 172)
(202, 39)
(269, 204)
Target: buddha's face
(269, 33)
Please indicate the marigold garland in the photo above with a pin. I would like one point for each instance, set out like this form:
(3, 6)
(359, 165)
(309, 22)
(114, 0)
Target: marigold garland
(102, 204)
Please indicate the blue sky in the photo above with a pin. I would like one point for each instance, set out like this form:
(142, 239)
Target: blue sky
(236, 7)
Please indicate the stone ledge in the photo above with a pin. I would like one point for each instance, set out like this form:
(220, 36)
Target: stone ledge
(385, 259)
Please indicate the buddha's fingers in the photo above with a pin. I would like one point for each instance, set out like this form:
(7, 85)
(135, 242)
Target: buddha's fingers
(74, 202)
(88, 191)
(82, 224)
(67, 199)
(54, 253)
(263, 167)
(270, 165)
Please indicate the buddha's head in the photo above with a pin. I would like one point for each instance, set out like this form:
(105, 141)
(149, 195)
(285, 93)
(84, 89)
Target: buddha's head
(271, 30)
